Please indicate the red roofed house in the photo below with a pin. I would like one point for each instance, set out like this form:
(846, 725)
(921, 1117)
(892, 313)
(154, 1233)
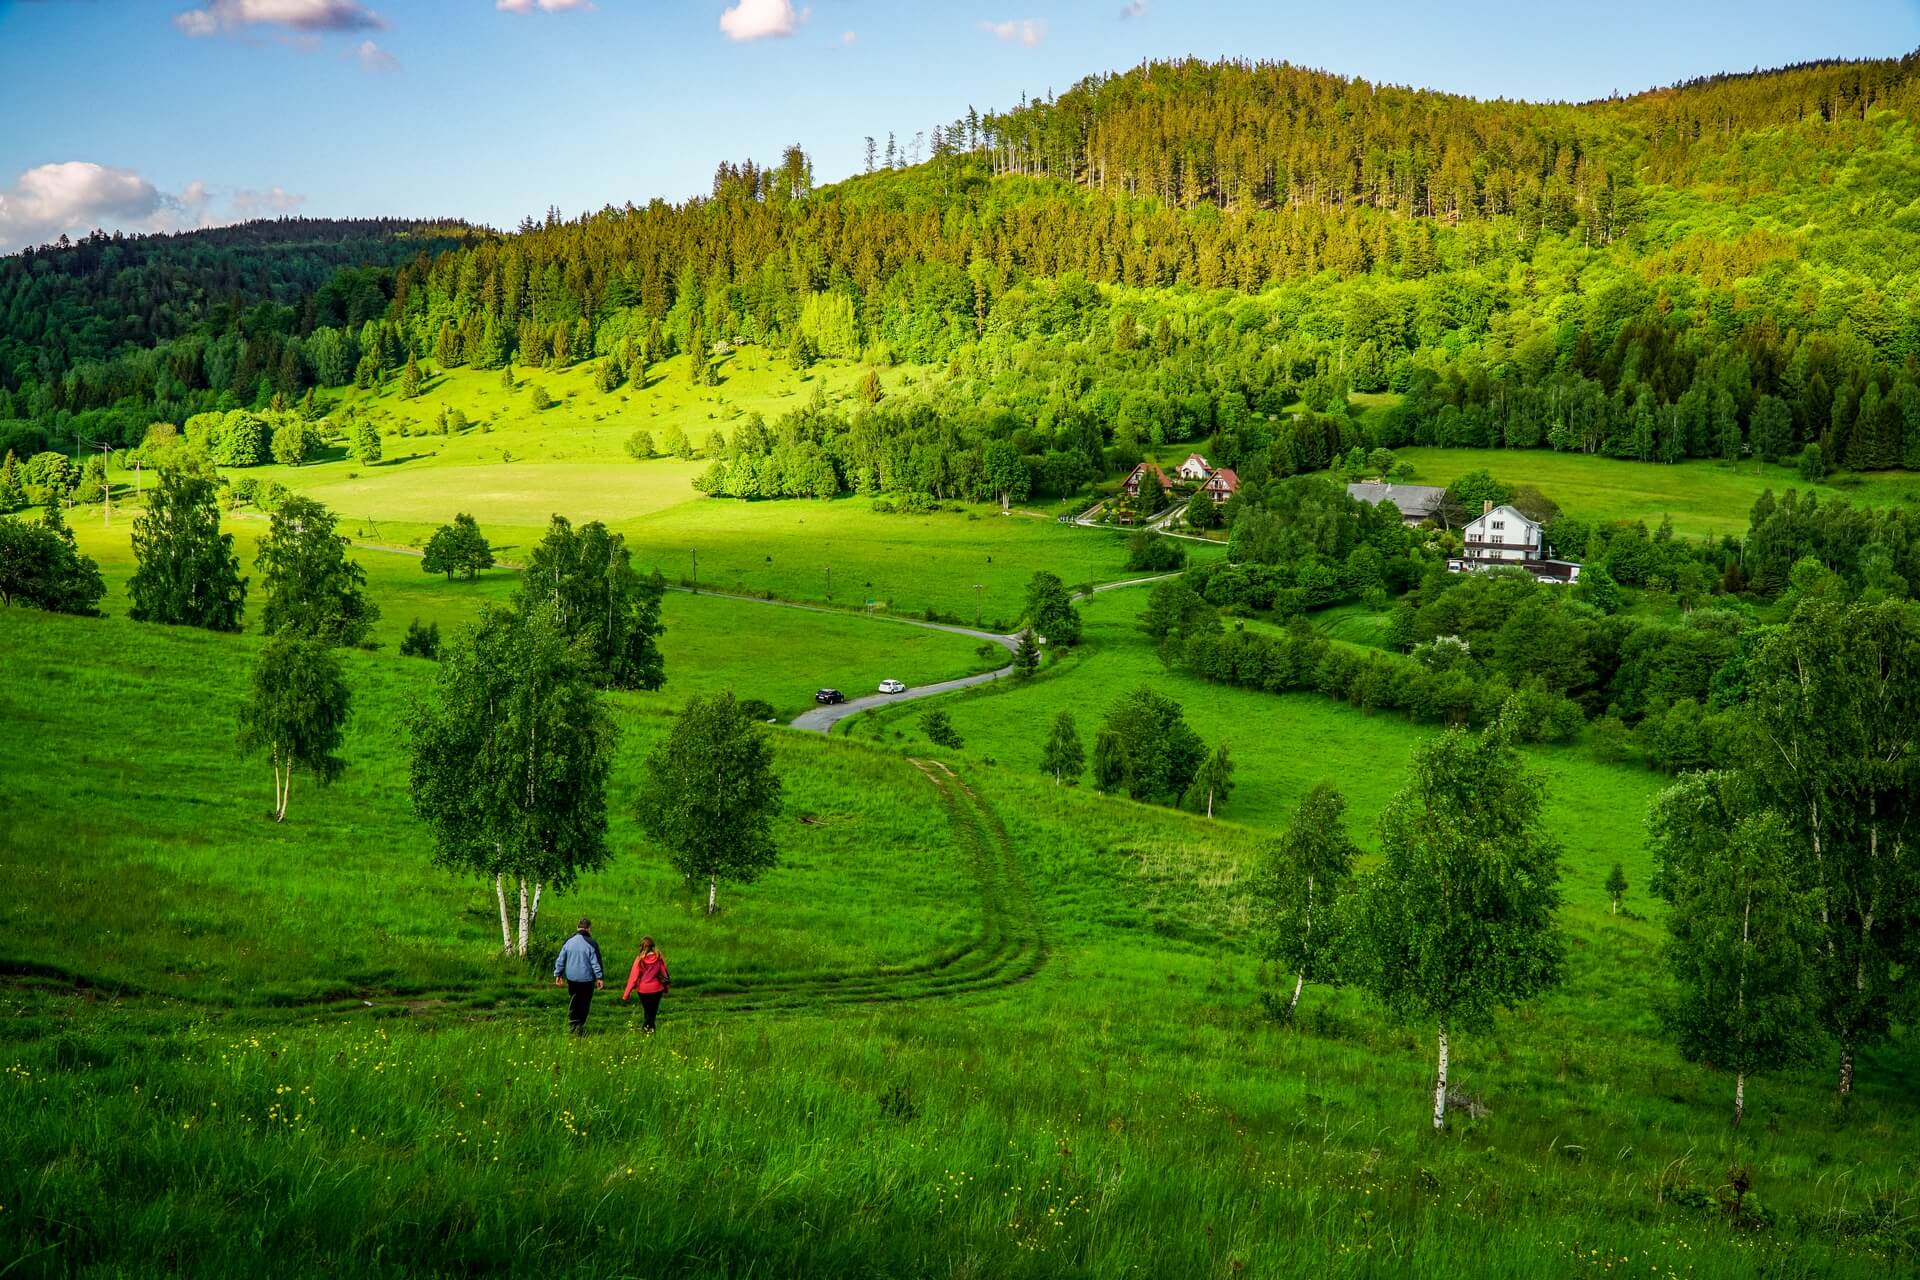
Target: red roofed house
(1140, 472)
(1221, 485)
(1195, 468)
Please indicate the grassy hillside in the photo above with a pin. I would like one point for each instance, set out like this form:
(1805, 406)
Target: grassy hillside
(974, 1023)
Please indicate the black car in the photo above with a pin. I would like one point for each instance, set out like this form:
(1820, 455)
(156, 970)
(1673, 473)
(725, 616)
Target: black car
(828, 697)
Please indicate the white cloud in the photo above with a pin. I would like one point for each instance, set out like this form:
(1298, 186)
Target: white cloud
(1027, 31)
(847, 39)
(1133, 8)
(372, 57)
(306, 16)
(248, 205)
(548, 6)
(74, 197)
(758, 19)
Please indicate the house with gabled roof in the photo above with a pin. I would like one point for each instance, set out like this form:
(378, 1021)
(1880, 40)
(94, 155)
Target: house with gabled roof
(1504, 537)
(1418, 503)
(1194, 469)
(1139, 475)
(1221, 485)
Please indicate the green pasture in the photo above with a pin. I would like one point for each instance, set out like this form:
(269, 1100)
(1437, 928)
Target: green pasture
(1705, 499)
(974, 1023)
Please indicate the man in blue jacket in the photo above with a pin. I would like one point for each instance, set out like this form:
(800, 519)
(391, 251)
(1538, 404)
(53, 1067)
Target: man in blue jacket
(577, 968)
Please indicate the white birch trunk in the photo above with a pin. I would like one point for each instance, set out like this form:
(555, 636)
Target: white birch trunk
(713, 894)
(1299, 983)
(1739, 1097)
(533, 917)
(506, 933)
(286, 790)
(1440, 1085)
(521, 947)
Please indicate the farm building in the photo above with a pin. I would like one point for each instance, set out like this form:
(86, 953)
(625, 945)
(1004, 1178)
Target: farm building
(1418, 503)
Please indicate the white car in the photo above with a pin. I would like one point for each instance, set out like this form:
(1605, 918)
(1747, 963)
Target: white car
(892, 686)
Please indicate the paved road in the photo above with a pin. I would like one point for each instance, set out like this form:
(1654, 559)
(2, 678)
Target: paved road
(1158, 524)
(822, 719)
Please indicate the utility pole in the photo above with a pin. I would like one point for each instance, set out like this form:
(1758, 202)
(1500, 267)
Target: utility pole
(829, 583)
(976, 604)
(106, 487)
(696, 573)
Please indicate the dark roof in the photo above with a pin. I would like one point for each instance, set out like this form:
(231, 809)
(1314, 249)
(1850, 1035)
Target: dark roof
(1412, 499)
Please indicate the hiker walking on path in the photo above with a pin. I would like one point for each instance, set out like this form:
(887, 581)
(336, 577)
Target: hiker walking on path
(577, 968)
(649, 978)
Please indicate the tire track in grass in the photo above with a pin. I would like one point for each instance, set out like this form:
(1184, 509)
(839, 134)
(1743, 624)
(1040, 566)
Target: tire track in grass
(1011, 946)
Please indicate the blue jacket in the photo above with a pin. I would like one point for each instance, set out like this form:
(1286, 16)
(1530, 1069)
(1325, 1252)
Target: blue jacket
(579, 960)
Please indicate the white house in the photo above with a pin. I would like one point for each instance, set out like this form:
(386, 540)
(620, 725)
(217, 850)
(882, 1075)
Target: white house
(1502, 536)
(1194, 469)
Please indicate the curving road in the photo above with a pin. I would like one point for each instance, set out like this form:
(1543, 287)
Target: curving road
(822, 719)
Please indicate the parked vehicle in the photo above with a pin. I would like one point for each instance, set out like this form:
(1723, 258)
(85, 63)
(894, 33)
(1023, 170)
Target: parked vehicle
(892, 686)
(827, 697)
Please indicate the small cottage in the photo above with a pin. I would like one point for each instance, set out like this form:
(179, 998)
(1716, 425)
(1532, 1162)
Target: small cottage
(1194, 469)
(1139, 475)
(1418, 503)
(1221, 485)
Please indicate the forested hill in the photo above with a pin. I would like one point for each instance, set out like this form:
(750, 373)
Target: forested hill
(67, 304)
(1187, 250)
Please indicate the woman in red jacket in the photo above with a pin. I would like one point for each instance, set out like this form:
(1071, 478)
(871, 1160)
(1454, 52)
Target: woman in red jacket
(649, 978)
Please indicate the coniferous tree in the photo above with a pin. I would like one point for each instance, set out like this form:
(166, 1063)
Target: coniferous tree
(410, 379)
(13, 494)
(185, 571)
(1026, 657)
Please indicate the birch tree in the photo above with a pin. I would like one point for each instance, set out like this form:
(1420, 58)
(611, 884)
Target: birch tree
(1459, 919)
(310, 584)
(296, 713)
(585, 577)
(1836, 750)
(185, 572)
(1213, 781)
(1063, 756)
(711, 795)
(510, 763)
(1742, 934)
(1302, 886)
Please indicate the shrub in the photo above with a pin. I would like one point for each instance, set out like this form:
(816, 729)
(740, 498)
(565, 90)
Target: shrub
(421, 641)
(940, 731)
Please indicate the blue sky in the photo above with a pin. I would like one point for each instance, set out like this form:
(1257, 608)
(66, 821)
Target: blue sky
(150, 114)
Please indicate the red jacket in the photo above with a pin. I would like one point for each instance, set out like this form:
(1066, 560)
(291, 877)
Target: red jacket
(649, 975)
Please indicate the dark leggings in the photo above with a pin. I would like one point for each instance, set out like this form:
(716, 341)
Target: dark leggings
(650, 1006)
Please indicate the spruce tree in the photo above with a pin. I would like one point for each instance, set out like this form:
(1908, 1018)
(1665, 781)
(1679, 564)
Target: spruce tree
(13, 494)
(1026, 657)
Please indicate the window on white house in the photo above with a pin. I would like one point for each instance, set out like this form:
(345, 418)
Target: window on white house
(1499, 524)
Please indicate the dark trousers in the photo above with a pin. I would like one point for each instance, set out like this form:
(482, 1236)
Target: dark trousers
(650, 1006)
(579, 999)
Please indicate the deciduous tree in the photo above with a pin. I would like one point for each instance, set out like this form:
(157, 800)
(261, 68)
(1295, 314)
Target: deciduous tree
(296, 712)
(1459, 919)
(459, 547)
(185, 571)
(1063, 756)
(585, 576)
(311, 586)
(1050, 610)
(510, 762)
(711, 795)
(1302, 885)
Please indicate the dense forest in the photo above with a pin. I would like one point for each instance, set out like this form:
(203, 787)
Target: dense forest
(1182, 251)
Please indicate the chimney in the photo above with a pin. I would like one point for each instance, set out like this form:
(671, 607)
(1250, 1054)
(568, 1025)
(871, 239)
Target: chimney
(1486, 507)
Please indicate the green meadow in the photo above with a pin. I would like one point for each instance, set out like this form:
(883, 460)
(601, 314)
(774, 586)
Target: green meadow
(974, 1024)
